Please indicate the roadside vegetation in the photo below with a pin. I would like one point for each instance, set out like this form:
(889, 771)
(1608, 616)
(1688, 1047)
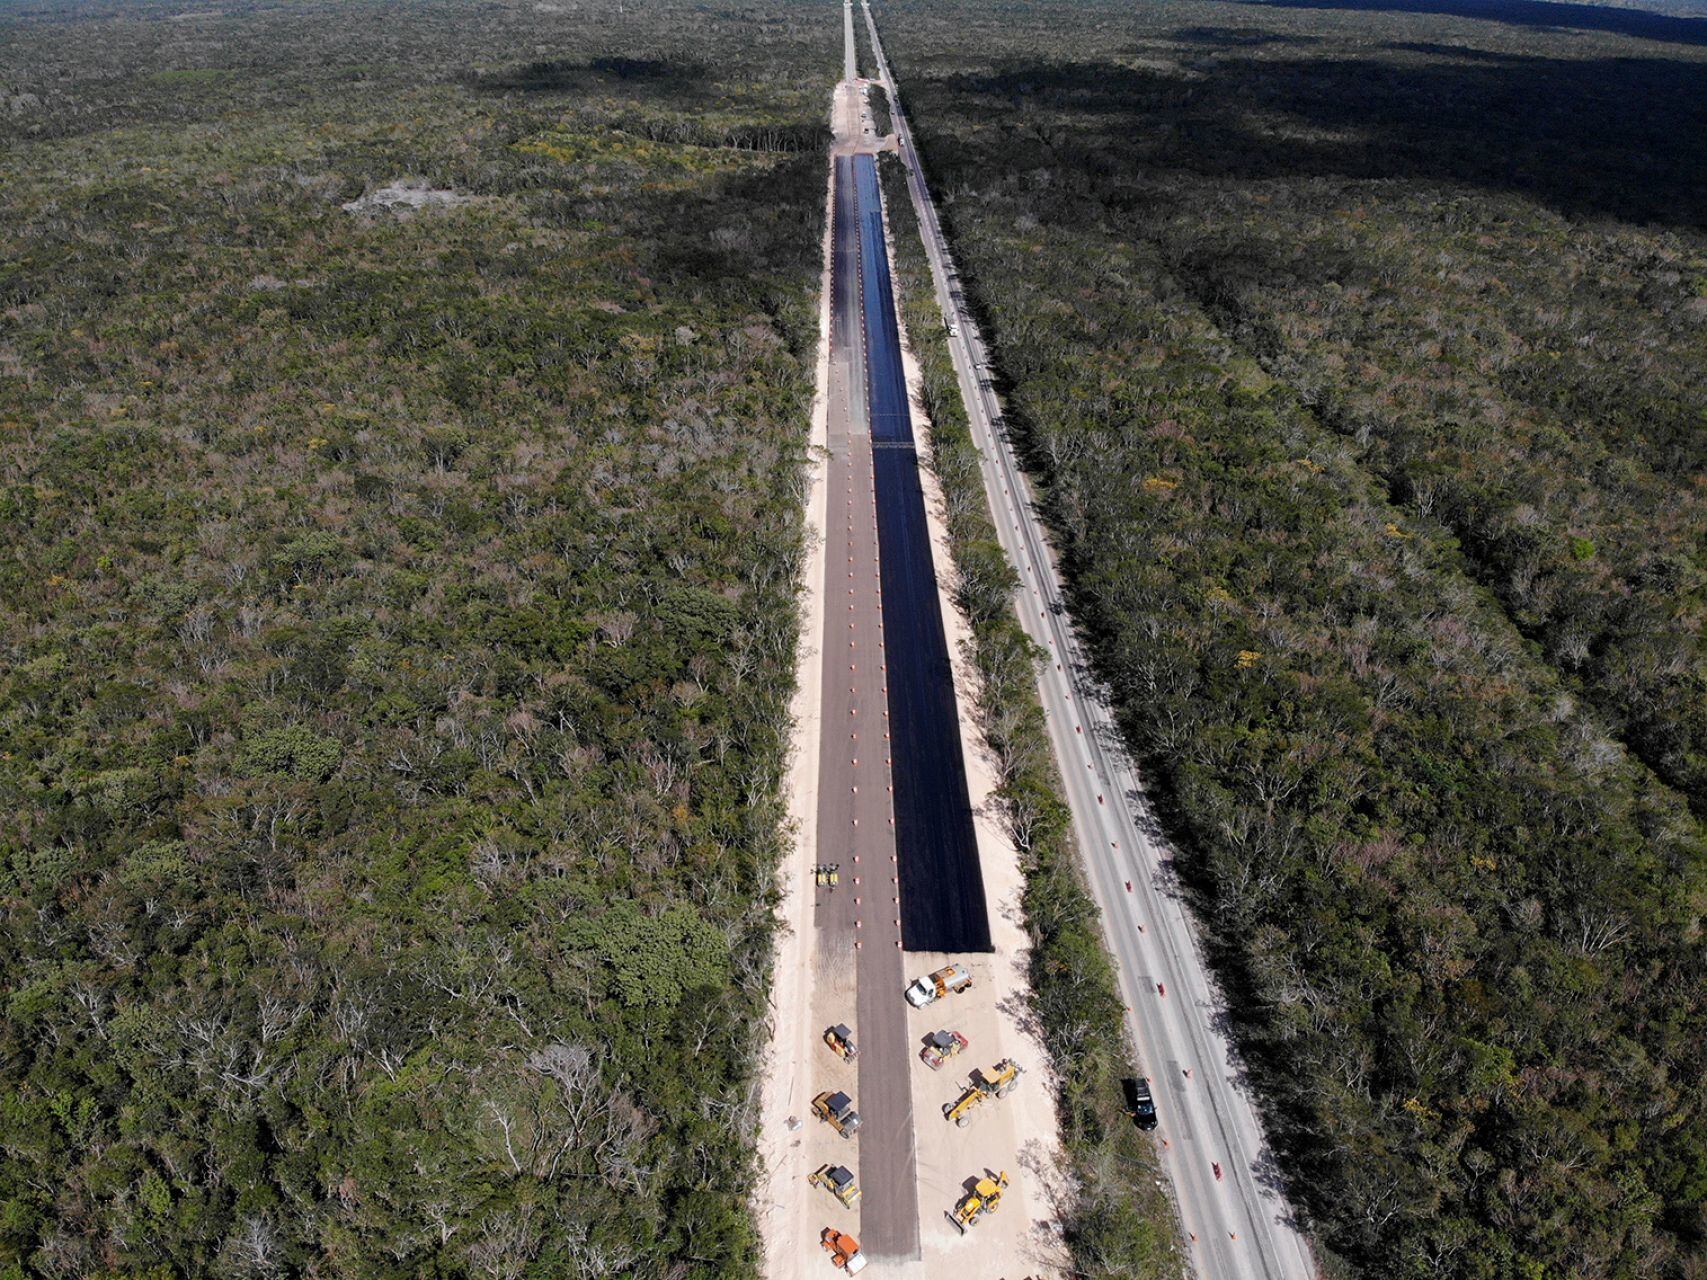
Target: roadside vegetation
(878, 97)
(1360, 355)
(864, 61)
(399, 626)
(1116, 1220)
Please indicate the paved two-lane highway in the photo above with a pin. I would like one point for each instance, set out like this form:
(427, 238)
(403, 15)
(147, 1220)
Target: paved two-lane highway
(1238, 1226)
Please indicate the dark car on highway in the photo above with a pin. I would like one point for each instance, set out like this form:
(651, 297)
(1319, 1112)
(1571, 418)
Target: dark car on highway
(1139, 1104)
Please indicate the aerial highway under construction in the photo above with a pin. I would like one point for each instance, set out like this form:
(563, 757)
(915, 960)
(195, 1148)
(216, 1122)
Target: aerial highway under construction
(902, 1076)
(894, 817)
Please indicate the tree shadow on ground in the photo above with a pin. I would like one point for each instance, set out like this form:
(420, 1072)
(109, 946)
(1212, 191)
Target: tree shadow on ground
(569, 76)
(1240, 37)
(1618, 137)
(1542, 14)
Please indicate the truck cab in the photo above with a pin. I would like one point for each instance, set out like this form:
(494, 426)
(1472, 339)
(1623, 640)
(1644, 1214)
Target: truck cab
(927, 990)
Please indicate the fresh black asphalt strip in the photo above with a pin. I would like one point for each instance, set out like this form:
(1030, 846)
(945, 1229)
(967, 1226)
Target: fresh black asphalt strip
(941, 883)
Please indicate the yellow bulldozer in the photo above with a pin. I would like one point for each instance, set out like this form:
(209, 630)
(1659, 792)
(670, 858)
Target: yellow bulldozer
(837, 1110)
(838, 1181)
(985, 1197)
(997, 1082)
(841, 1041)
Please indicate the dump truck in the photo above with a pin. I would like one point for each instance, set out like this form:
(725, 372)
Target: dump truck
(1140, 1104)
(841, 1042)
(843, 1250)
(997, 1082)
(838, 1181)
(985, 1197)
(837, 1110)
(940, 1046)
(952, 979)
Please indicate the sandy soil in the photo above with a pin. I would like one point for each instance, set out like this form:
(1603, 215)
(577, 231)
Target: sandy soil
(850, 119)
(1019, 1133)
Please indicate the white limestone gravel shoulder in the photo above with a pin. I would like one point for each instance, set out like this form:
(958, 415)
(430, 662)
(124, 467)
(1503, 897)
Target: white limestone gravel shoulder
(781, 1197)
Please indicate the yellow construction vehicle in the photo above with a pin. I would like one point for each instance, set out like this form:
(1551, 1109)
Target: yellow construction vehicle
(940, 1046)
(843, 1250)
(827, 875)
(1001, 1078)
(838, 1181)
(997, 1082)
(840, 1039)
(960, 1110)
(837, 1110)
(985, 1197)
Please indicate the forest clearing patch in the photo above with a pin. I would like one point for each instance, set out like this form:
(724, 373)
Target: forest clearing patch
(404, 197)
